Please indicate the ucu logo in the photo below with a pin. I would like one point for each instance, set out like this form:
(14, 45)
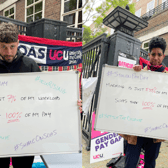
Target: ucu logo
(98, 156)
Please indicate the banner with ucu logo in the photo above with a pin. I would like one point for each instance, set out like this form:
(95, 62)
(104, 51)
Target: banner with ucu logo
(51, 52)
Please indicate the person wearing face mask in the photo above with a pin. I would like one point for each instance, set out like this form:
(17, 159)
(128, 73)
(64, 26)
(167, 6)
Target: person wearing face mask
(157, 46)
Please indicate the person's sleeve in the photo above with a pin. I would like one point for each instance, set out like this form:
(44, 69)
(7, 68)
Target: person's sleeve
(35, 67)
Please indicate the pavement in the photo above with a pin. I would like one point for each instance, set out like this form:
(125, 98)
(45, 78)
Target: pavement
(161, 162)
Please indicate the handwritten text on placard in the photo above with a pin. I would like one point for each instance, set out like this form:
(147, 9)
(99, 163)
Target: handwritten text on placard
(133, 103)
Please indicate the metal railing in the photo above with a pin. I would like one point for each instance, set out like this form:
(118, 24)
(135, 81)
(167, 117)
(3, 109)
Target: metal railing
(71, 34)
(155, 11)
(92, 62)
(143, 54)
(22, 26)
(74, 34)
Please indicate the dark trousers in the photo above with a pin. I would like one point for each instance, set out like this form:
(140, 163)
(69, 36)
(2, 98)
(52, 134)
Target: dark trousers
(151, 153)
(18, 162)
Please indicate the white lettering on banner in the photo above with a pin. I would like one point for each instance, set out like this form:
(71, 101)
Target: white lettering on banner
(36, 52)
(133, 103)
(74, 56)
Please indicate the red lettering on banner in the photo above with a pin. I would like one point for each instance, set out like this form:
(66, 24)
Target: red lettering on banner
(59, 52)
(124, 64)
(55, 55)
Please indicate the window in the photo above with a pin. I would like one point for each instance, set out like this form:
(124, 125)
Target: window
(150, 8)
(112, 31)
(150, 5)
(145, 46)
(71, 12)
(10, 12)
(164, 4)
(137, 0)
(34, 10)
(138, 13)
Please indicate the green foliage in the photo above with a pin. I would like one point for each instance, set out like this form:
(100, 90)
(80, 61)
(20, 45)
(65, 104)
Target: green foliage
(86, 35)
(102, 10)
(107, 4)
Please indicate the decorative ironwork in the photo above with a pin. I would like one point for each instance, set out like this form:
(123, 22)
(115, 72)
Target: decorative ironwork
(155, 11)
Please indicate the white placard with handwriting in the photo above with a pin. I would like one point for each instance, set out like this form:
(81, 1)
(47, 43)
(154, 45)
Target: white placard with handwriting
(88, 89)
(39, 113)
(134, 103)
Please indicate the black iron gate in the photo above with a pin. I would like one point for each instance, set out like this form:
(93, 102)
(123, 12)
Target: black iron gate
(94, 56)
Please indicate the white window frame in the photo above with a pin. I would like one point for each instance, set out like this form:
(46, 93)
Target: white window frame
(147, 41)
(138, 12)
(76, 11)
(43, 8)
(162, 3)
(112, 31)
(147, 8)
(14, 5)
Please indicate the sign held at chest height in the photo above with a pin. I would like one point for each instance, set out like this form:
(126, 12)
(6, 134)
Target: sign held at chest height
(135, 102)
(34, 110)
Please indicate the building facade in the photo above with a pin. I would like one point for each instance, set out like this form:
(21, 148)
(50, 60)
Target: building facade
(32, 10)
(156, 11)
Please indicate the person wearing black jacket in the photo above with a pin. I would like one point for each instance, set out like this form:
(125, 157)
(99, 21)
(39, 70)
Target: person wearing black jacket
(13, 61)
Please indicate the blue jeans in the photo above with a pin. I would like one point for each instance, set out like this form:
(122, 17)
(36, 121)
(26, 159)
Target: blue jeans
(133, 152)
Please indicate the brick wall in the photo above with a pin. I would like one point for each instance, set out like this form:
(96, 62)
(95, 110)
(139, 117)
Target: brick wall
(165, 36)
(53, 9)
(2, 1)
(143, 5)
(20, 10)
(155, 23)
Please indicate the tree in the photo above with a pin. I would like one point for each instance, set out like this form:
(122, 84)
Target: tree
(86, 35)
(106, 5)
(102, 10)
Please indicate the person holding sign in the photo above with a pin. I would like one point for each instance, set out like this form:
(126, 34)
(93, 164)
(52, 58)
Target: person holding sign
(12, 61)
(157, 48)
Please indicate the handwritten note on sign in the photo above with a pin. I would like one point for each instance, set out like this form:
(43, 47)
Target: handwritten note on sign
(39, 113)
(134, 103)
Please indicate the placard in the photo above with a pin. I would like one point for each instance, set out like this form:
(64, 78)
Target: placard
(88, 89)
(39, 113)
(104, 145)
(133, 103)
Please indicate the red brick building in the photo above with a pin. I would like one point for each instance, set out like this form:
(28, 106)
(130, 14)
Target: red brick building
(32, 10)
(157, 10)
